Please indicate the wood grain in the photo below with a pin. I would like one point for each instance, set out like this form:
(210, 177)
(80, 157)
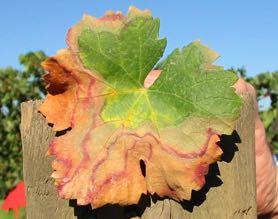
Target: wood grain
(231, 194)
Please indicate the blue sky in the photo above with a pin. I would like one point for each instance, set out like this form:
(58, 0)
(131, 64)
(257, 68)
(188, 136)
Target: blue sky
(244, 32)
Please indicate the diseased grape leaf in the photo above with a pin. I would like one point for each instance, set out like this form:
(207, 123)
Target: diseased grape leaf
(101, 88)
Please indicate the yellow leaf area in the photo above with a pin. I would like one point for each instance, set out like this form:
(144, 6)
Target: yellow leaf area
(98, 162)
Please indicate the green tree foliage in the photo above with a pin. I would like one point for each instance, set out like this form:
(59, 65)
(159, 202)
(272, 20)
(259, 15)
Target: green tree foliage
(16, 86)
(266, 85)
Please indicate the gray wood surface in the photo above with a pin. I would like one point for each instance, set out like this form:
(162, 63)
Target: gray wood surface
(231, 194)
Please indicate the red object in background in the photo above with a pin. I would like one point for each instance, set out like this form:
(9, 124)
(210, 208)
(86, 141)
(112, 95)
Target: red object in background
(16, 199)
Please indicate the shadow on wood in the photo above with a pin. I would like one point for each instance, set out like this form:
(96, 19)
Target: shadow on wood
(229, 147)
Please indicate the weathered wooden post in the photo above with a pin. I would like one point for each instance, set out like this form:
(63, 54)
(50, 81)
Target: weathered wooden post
(234, 198)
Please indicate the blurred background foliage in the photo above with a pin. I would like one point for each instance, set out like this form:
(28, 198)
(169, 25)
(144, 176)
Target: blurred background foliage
(17, 86)
(266, 85)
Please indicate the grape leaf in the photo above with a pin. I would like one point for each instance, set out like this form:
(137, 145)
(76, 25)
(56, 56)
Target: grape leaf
(98, 91)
